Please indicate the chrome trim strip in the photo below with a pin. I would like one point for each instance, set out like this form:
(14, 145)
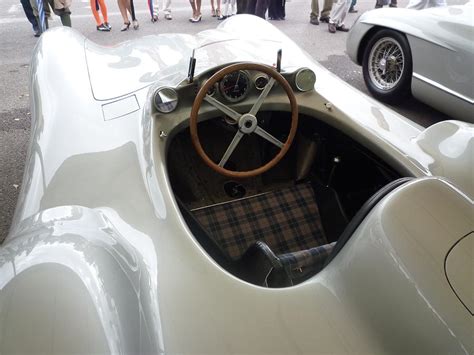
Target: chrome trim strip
(444, 88)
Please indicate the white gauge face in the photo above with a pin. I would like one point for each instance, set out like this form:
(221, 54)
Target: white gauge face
(165, 100)
(234, 86)
(305, 79)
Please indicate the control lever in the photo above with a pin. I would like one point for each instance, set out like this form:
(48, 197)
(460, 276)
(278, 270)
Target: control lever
(335, 163)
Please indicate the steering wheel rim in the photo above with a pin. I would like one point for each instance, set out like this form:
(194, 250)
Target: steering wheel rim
(241, 120)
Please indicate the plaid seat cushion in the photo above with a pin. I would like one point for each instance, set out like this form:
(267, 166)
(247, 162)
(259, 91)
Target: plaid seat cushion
(314, 257)
(287, 220)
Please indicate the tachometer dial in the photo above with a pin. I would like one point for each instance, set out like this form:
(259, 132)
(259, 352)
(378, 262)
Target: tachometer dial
(260, 82)
(234, 86)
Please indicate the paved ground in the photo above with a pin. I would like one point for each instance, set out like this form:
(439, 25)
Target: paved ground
(17, 43)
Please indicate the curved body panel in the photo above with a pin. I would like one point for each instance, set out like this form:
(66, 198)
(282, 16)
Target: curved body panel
(441, 46)
(98, 230)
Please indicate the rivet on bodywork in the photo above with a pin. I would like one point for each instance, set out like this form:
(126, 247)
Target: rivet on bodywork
(328, 105)
(163, 134)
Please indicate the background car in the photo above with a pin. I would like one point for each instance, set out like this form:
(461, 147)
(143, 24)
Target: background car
(224, 193)
(428, 53)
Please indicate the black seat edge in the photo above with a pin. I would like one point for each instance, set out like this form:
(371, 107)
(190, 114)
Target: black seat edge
(362, 213)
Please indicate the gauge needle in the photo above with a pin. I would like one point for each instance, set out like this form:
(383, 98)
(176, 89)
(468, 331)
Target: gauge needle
(236, 87)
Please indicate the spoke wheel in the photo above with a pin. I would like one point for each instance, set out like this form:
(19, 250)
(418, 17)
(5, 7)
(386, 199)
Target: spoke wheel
(247, 123)
(386, 63)
(387, 66)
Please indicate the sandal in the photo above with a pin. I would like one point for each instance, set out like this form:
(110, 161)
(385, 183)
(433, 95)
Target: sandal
(125, 27)
(213, 13)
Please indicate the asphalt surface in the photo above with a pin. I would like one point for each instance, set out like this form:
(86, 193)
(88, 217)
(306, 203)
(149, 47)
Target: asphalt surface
(17, 43)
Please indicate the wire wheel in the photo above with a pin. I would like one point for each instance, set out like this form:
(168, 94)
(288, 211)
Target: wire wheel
(386, 63)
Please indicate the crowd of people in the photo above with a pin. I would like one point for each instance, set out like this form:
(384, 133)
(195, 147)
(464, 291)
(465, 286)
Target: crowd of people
(333, 12)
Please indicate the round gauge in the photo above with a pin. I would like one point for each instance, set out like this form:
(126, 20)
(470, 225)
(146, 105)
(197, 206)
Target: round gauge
(305, 79)
(234, 86)
(165, 100)
(261, 81)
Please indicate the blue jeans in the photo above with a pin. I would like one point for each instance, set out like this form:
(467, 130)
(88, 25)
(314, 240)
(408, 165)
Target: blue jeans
(29, 14)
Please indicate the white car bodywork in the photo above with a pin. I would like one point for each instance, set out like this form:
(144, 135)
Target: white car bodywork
(100, 260)
(442, 52)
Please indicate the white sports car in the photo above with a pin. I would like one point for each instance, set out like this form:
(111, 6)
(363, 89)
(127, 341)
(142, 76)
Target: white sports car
(429, 53)
(225, 194)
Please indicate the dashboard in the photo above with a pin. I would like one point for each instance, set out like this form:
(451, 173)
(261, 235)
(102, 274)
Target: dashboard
(232, 88)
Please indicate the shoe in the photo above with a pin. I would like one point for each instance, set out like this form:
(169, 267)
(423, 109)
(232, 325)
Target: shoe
(324, 19)
(195, 19)
(377, 6)
(125, 27)
(168, 17)
(392, 5)
(332, 28)
(103, 28)
(37, 33)
(342, 28)
(213, 13)
(135, 24)
(353, 11)
(223, 17)
(314, 21)
(108, 26)
(154, 18)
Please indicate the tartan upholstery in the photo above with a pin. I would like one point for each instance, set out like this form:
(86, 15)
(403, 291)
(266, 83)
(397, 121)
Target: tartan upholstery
(287, 220)
(314, 257)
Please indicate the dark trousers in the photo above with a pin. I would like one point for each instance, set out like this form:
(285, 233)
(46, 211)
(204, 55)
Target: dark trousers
(241, 6)
(29, 14)
(276, 9)
(257, 7)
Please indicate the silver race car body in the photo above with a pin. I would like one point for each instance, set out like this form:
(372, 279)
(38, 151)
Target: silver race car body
(109, 251)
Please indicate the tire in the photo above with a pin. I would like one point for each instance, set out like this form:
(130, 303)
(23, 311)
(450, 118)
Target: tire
(394, 83)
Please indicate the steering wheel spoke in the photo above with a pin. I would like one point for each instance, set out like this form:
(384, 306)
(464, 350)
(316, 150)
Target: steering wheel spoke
(223, 108)
(230, 149)
(267, 136)
(263, 95)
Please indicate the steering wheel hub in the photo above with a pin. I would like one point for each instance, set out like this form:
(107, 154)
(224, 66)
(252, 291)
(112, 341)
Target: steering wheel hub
(247, 123)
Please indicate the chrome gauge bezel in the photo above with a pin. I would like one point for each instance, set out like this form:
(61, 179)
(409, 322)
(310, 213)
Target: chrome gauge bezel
(222, 90)
(305, 79)
(165, 100)
(258, 77)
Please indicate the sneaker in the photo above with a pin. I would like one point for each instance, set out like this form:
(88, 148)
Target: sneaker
(314, 21)
(103, 28)
(324, 19)
(154, 18)
(332, 27)
(37, 33)
(342, 28)
(352, 10)
(168, 17)
(108, 25)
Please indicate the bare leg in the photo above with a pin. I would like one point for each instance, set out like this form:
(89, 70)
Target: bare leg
(123, 10)
(198, 7)
(218, 9)
(213, 9)
(193, 5)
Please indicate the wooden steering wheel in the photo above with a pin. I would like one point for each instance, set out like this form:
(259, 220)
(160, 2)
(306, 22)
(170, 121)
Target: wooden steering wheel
(247, 123)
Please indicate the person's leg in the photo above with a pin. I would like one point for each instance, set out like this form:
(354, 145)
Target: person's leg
(327, 7)
(122, 4)
(167, 9)
(354, 2)
(313, 17)
(218, 8)
(95, 7)
(251, 4)
(29, 14)
(337, 16)
(153, 9)
(261, 8)
(213, 9)
(103, 10)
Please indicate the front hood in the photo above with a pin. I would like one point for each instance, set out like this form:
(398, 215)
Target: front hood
(164, 59)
